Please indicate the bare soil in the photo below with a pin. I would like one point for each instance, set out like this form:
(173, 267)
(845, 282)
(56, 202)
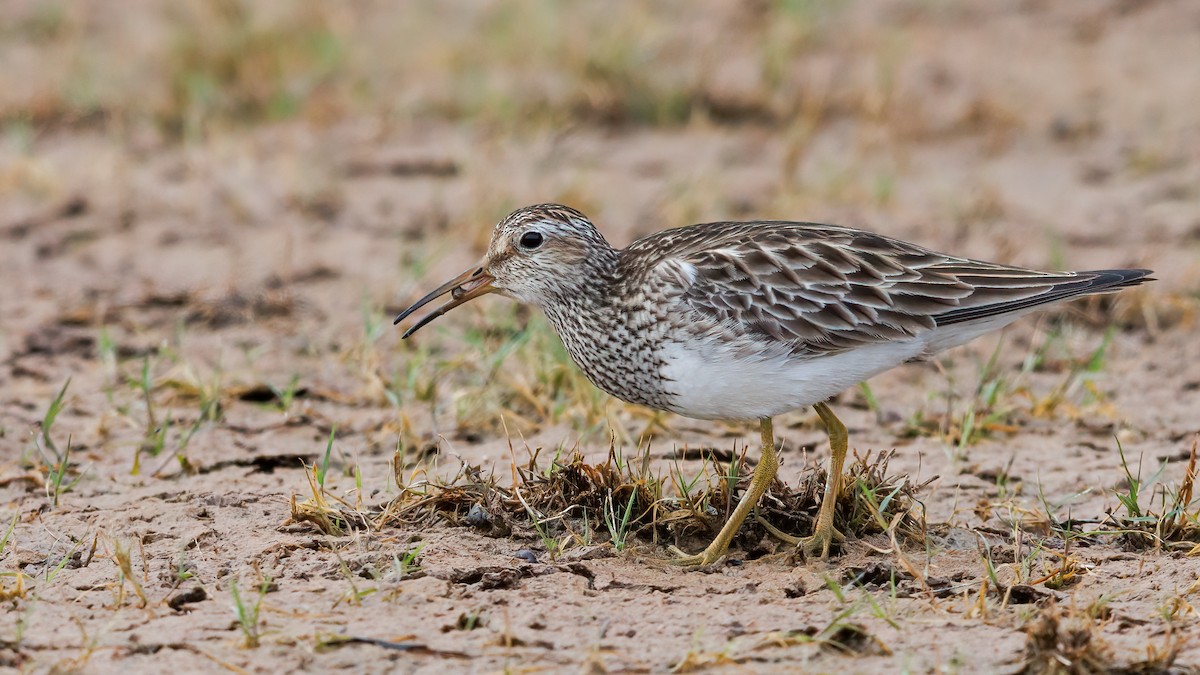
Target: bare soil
(228, 299)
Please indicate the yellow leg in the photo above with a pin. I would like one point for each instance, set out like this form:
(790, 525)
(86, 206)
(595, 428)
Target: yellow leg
(824, 532)
(764, 473)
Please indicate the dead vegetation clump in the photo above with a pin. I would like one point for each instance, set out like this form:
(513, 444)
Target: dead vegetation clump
(1062, 643)
(570, 502)
(871, 501)
(1067, 642)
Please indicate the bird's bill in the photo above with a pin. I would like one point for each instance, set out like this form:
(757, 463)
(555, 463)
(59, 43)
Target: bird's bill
(462, 289)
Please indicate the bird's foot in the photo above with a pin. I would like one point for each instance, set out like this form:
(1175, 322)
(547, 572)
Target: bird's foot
(709, 556)
(820, 540)
(778, 533)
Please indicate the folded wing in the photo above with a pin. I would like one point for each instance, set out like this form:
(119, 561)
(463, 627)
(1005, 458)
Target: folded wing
(826, 289)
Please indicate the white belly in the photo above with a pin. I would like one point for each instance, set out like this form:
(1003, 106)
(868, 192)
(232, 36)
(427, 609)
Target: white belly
(709, 380)
(713, 383)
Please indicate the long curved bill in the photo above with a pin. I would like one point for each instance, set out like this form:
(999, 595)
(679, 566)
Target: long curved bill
(462, 289)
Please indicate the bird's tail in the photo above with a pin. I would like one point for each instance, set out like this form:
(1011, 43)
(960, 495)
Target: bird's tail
(1077, 284)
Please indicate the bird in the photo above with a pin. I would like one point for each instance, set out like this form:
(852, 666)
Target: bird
(744, 321)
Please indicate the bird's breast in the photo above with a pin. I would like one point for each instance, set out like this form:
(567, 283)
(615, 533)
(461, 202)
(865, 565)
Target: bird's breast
(618, 348)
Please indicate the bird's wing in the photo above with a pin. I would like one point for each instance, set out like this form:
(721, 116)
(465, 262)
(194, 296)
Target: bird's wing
(827, 289)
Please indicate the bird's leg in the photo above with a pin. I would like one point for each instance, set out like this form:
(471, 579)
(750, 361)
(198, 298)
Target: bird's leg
(764, 473)
(824, 532)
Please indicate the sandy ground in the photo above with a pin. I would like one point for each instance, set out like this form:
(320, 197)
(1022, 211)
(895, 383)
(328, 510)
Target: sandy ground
(229, 300)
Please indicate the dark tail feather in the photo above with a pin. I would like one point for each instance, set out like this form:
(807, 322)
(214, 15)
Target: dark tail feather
(1083, 283)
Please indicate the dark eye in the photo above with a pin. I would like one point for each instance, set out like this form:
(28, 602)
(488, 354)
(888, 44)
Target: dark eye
(531, 240)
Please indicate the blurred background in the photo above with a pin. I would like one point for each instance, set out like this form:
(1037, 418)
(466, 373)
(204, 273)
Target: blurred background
(211, 210)
(243, 193)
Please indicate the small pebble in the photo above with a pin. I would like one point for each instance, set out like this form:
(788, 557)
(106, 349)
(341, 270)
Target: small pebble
(477, 516)
(526, 555)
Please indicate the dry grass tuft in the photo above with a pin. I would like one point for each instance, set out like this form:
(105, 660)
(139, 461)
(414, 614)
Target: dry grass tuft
(871, 501)
(1067, 642)
(17, 590)
(1172, 518)
(570, 502)
(1058, 642)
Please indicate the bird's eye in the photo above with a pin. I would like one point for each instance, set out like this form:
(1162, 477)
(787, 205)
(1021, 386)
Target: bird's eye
(531, 240)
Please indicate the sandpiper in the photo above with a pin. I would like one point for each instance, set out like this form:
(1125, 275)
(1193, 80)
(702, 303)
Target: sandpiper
(748, 320)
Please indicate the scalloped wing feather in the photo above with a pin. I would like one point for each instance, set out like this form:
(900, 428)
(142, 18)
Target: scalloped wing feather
(822, 289)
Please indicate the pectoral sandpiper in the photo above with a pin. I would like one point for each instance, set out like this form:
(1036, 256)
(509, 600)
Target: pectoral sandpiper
(747, 320)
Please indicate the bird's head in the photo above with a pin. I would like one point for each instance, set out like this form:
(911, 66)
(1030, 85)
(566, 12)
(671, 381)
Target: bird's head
(538, 255)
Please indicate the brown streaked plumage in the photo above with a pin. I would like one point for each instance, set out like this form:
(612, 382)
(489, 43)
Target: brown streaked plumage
(748, 320)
